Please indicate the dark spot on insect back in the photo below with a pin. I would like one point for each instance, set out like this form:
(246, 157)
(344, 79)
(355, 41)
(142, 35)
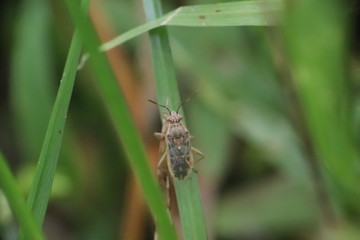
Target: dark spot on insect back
(217, 10)
(59, 131)
(202, 17)
(180, 167)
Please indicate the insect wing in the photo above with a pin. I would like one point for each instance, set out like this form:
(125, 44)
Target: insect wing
(179, 155)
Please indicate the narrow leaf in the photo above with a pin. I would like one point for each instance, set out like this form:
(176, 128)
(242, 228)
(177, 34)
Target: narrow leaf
(187, 191)
(47, 163)
(17, 204)
(246, 13)
(119, 113)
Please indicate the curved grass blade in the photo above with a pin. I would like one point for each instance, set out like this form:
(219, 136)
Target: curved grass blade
(124, 125)
(41, 188)
(187, 191)
(17, 204)
(246, 13)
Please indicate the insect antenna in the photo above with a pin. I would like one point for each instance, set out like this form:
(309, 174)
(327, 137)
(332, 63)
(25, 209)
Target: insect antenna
(153, 102)
(188, 99)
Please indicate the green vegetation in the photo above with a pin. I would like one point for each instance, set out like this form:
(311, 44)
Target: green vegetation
(17, 204)
(276, 117)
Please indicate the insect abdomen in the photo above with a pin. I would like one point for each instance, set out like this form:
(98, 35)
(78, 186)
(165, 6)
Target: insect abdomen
(179, 154)
(180, 166)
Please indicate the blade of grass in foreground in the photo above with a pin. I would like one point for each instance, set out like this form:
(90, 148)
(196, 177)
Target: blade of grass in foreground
(17, 204)
(124, 125)
(187, 191)
(40, 191)
(47, 163)
(245, 13)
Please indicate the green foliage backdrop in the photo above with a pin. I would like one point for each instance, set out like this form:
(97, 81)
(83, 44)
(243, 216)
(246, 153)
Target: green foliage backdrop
(276, 117)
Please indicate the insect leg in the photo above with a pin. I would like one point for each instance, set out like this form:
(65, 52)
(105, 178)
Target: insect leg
(188, 163)
(162, 160)
(163, 175)
(198, 153)
(168, 193)
(159, 136)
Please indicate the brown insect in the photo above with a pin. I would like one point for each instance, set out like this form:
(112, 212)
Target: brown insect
(177, 152)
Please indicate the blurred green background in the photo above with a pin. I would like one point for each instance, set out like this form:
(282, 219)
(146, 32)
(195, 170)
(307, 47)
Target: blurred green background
(276, 116)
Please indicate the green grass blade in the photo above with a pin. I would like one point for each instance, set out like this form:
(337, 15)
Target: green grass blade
(187, 191)
(246, 13)
(318, 70)
(124, 125)
(47, 163)
(190, 208)
(17, 204)
(41, 187)
(129, 35)
(243, 13)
